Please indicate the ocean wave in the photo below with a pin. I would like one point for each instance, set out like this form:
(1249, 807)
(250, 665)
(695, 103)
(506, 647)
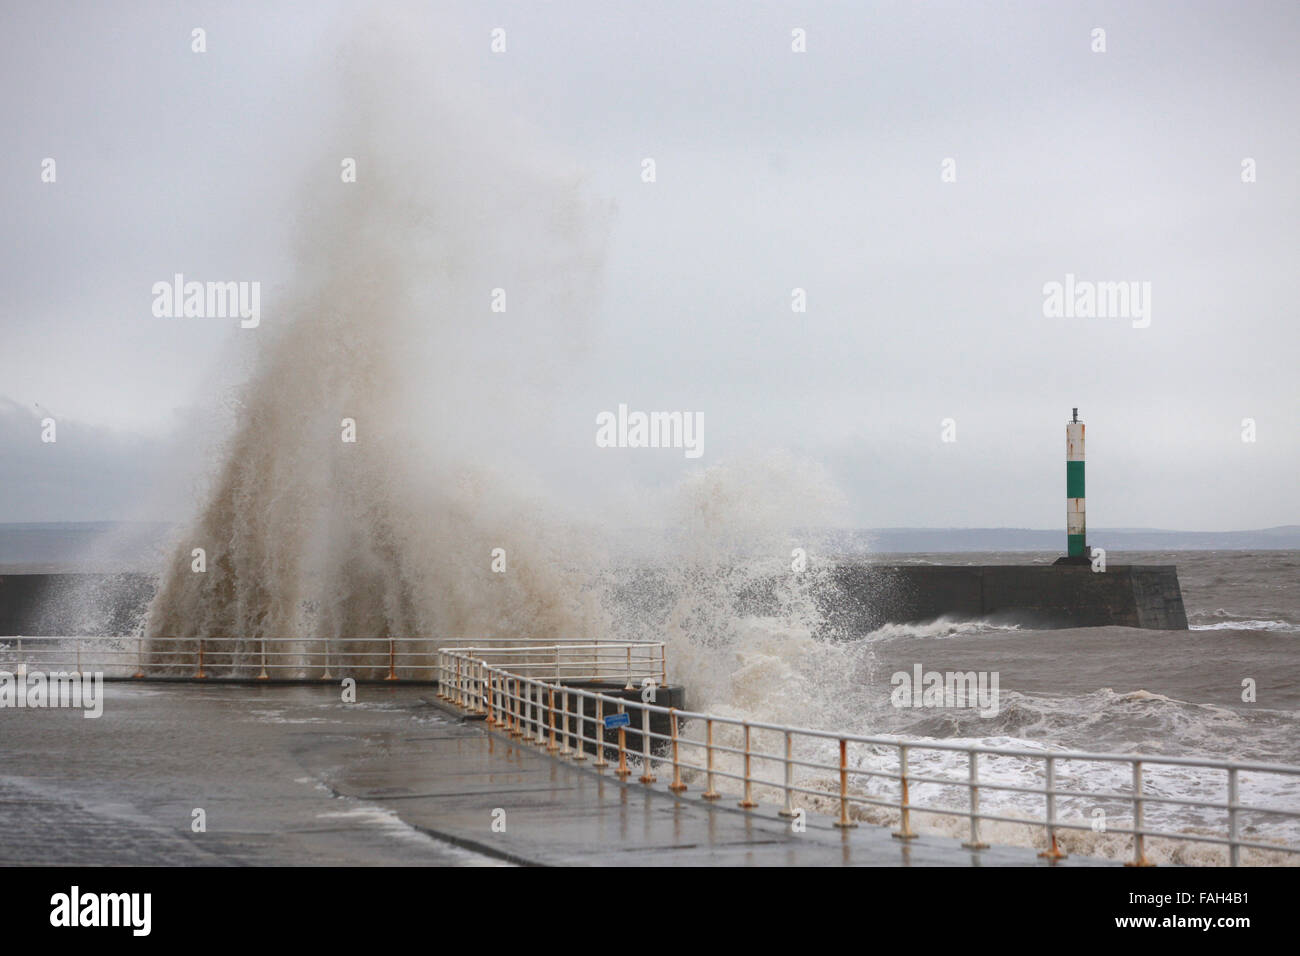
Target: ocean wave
(940, 628)
(1247, 625)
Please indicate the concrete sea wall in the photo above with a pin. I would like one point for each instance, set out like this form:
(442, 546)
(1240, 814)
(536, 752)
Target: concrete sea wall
(853, 598)
(867, 596)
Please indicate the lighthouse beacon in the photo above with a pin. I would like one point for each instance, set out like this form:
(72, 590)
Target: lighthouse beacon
(1076, 526)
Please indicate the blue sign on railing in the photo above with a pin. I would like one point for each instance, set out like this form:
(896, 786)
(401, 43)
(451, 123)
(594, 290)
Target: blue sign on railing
(617, 720)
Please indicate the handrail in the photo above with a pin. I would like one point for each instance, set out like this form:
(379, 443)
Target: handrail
(524, 706)
(325, 658)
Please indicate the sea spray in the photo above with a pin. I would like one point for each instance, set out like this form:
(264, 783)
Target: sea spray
(390, 533)
(368, 476)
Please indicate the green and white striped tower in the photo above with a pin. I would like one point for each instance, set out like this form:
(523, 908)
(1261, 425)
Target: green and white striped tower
(1075, 526)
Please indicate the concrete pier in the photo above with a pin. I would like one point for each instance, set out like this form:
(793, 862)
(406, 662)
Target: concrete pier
(854, 597)
(292, 776)
(1038, 596)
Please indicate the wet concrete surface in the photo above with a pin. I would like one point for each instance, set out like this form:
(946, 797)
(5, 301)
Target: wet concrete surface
(121, 789)
(293, 776)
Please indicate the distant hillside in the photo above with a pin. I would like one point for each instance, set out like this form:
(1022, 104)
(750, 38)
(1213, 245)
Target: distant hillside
(124, 546)
(82, 546)
(904, 540)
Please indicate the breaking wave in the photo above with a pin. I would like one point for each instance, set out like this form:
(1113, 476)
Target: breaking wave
(306, 533)
(1246, 625)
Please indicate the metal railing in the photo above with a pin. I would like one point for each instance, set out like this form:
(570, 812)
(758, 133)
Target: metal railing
(631, 662)
(320, 658)
(837, 770)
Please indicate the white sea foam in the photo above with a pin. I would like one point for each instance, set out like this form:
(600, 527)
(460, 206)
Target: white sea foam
(1247, 625)
(937, 629)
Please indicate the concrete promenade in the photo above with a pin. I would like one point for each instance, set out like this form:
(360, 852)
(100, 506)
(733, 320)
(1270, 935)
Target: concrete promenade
(290, 775)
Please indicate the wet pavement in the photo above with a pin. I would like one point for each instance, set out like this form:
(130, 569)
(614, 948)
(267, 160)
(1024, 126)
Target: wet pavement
(121, 789)
(292, 775)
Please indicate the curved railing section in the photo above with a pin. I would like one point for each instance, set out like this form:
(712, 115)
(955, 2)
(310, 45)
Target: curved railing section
(850, 775)
(597, 700)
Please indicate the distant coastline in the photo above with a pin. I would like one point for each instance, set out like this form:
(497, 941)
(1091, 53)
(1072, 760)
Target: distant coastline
(140, 546)
(931, 540)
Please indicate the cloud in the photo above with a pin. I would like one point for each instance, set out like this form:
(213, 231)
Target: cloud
(88, 473)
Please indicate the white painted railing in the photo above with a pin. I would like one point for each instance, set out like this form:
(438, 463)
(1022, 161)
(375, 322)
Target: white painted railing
(312, 658)
(569, 721)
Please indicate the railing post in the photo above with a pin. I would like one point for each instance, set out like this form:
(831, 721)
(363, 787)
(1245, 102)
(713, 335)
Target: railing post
(622, 772)
(263, 675)
(974, 843)
(199, 673)
(503, 703)
(1139, 840)
(139, 658)
(78, 657)
(844, 822)
(646, 775)
(540, 726)
(600, 763)
(748, 801)
(580, 716)
(1234, 851)
(709, 793)
(904, 801)
(326, 675)
(550, 706)
(392, 660)
(630, 685)
(1053, 851)
(676, 786)
(524, 709)
(788, 809)
(516, 705)
(527, 694)
(564, 727)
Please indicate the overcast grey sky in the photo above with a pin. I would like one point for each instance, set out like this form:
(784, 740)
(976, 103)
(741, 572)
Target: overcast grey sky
(818, 170)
